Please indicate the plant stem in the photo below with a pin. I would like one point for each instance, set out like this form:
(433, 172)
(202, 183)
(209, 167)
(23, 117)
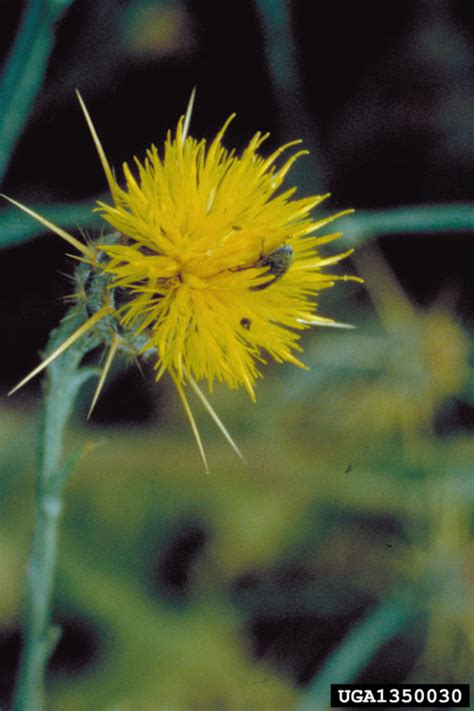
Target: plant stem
(63, 380)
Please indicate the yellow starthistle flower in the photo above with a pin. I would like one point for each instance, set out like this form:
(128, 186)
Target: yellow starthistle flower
(217, 267)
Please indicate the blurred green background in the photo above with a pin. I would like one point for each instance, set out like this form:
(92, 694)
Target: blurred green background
(343, 551)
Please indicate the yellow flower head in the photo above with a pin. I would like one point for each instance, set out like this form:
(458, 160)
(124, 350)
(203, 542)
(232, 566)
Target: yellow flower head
(214, 268)
(218, 262)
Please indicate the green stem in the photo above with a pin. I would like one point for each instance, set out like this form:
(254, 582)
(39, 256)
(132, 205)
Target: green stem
(24, 71)
(62, 384)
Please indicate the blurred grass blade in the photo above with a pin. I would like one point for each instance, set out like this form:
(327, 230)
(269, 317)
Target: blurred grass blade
(280, 53)
(357, 649)
(417, 219)
(24, 71)
(16, 227)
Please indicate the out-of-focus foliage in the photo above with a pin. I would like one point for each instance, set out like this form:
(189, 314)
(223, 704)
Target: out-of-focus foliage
(344, 548)
(171, 583)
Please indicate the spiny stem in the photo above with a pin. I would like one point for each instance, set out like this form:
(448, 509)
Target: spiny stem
(62, 384)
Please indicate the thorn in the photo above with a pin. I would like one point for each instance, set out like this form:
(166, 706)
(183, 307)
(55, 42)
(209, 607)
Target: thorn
(103, 375)
(64, 346)
(214, 416)
(187, 116)
(191, 419)
(87, 251)
(323, 322)
(105, 164)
